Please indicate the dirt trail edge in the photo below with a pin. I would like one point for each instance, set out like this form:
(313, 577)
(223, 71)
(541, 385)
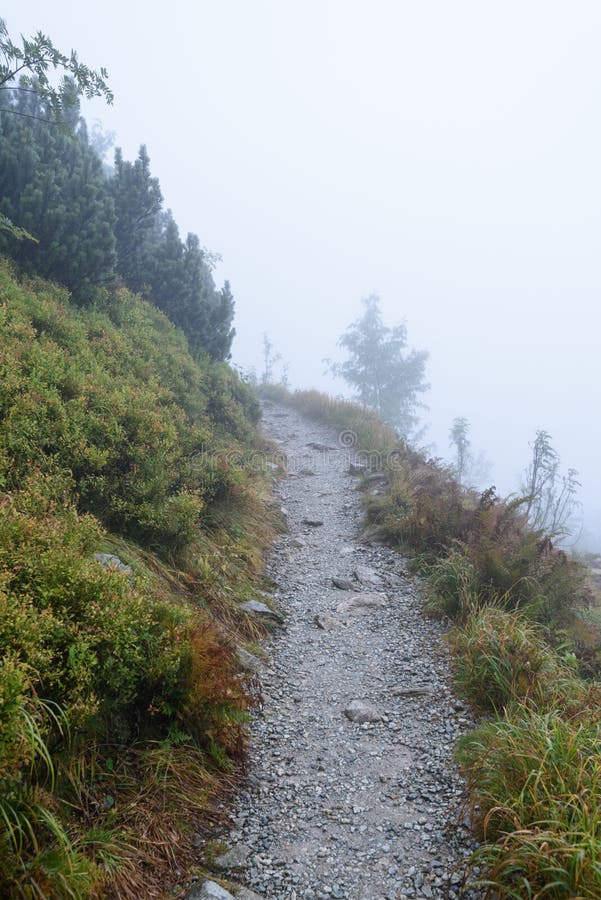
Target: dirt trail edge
(352, 789)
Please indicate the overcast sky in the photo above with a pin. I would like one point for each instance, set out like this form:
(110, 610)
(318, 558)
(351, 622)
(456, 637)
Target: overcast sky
(445, 155)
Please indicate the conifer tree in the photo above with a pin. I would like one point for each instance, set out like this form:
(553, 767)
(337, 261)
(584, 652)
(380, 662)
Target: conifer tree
(138, 200)
(52, 185)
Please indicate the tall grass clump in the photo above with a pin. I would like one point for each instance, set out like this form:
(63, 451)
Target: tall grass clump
(536, 780)
(500, 657)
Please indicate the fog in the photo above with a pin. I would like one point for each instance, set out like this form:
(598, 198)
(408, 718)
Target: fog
(443, 155)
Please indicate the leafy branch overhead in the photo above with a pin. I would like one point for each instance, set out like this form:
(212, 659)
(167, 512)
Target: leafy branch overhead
(34, 63)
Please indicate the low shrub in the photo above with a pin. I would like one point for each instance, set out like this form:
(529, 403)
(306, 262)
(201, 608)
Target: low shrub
(112, 396)
(119, 695)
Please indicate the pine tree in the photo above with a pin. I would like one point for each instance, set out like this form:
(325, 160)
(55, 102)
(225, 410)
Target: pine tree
(138, 200)
(51, 183)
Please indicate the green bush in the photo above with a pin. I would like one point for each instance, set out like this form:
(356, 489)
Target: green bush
(114, 398)
(114, 437)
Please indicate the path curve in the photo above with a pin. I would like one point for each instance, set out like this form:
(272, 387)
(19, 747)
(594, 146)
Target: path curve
(333, 807)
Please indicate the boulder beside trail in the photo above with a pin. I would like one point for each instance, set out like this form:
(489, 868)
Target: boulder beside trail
(261, 610)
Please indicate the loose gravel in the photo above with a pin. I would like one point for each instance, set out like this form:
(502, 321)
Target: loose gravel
(352, 790)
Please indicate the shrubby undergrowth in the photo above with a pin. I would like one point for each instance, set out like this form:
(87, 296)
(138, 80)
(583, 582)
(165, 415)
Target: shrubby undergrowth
(533, 765)
(119, 690)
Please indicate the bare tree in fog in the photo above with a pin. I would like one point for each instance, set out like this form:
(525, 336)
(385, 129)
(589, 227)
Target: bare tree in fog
(550, 496)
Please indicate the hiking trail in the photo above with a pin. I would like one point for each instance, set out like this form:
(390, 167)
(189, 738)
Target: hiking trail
(352, 790)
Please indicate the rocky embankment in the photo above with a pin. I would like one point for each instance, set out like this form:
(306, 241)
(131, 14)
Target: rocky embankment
(352, 791)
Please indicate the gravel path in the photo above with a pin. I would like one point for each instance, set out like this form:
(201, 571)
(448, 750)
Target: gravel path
(352, 790)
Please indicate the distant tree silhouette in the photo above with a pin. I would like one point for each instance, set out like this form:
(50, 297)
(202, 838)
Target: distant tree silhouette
(384, 374)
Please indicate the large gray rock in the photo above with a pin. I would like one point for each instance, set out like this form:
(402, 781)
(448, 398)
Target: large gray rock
(357, 604)
(209, 890)
(255, 607)
(235, 858)
(367, 576)
(360, 711)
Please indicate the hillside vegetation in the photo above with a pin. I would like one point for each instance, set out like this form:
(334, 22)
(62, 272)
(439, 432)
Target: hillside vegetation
(517, 603)
(120, 694)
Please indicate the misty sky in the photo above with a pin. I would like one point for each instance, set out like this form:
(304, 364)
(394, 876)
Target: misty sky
(442, 154)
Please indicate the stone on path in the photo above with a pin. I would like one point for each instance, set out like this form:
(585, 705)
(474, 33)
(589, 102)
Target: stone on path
(361, 602)
(366, 575)
(415, 691)
(360, 711)
(343, 584)
(209, 890)
(322, 448)
(313, 523)
(234, 858)
(326, 623)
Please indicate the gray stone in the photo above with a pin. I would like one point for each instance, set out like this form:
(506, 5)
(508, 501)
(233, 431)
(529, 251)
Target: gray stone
(248, 661)
(262, 610)
(360, 711)
(416, 691)
(209, 890)
(313, 523)
(108, 561)
(246, 894)
(326, 623)
(366, 575)
(235, 858)
(343, 584)
(361, 602)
